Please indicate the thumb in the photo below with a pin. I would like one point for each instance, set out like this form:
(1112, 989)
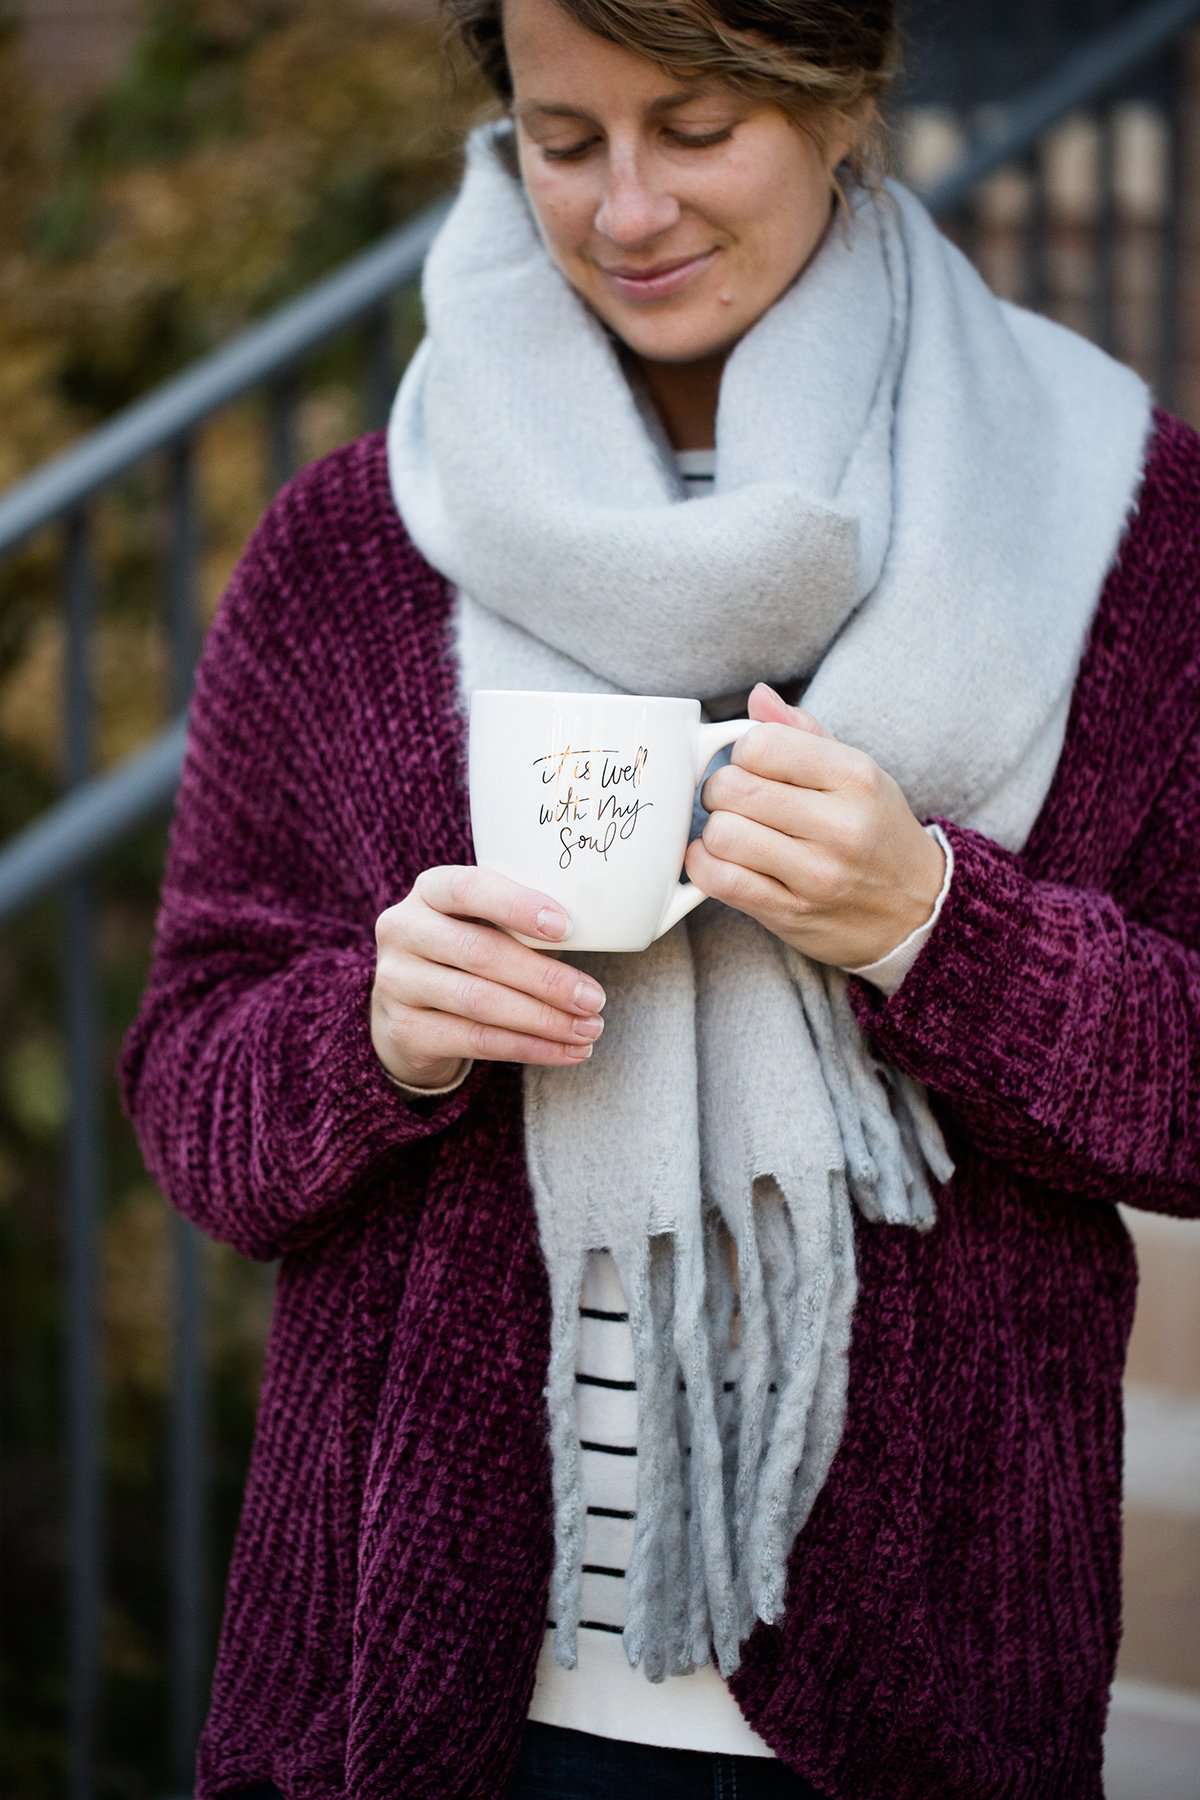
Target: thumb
(769, 707)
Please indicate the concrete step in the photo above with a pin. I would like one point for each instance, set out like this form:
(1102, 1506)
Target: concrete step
(1152, 1746)
(1164, 1351)
(1161, 1552)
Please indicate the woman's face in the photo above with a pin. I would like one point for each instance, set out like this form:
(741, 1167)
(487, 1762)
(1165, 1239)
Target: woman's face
(628, 171)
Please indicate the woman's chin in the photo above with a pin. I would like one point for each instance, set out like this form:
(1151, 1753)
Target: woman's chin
(683, 339)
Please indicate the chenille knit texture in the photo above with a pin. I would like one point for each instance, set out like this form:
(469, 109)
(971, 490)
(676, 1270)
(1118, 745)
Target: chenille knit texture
(954, 1600)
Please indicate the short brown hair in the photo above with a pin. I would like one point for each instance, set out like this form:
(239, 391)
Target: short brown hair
(824, 63)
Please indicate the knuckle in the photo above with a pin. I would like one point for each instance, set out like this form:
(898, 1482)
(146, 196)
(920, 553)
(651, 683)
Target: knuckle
(720, 879)
(847, 832)
(398, 1028)
(469, 994)
(461, 880)
(479, 1037)
(715, 788)
(469, 947)
(717, 832)
(859, 837)
(737, 890)
(865, 772)
(551, 1021)
(395, 973)
(563, 995)
(824, 878)
(426, 880)
(557, 981)
(746, 883)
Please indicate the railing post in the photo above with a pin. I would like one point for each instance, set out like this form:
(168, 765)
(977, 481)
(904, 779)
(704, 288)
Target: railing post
(187, 1472)
(1170, 273)
(1107, 227)
(183, 620)
(282, 398)
(1037, 267)
(381, 374)
(84, 1361)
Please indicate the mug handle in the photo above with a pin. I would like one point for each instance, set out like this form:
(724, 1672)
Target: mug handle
(712, 737)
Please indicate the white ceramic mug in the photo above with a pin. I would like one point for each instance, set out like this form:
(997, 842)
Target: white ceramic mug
(588, 798)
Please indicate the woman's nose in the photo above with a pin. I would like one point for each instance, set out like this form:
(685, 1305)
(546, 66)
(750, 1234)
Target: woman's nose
(634, 206)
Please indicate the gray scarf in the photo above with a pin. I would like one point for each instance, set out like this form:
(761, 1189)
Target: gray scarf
(919, 488)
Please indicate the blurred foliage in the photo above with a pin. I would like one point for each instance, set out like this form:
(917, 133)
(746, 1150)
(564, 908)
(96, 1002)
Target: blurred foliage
(247, 148)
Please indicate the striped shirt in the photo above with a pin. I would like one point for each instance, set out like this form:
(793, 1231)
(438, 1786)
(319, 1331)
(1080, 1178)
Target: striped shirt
(602, 1693)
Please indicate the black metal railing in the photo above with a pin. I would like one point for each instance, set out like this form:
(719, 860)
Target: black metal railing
(57, 855)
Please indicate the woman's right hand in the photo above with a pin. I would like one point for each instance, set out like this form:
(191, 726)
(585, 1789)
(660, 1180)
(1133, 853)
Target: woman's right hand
(450, 984)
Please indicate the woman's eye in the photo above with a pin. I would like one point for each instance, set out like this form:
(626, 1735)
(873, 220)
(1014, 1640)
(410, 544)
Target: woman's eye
(701, 143)
(574, 151)
(565, 155)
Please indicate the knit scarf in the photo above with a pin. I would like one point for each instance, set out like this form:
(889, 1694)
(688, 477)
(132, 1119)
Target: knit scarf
(919, 488)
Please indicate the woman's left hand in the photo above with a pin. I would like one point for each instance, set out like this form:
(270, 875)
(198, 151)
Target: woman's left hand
(814, 840)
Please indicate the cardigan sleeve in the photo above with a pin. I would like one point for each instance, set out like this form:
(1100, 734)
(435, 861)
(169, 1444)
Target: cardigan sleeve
(1061, 1031)
(248, 1072)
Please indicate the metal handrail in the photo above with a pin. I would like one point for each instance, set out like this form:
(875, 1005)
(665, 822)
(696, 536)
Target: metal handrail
(1087, 75)
(93, 815)
(173, 409)
(80, 826)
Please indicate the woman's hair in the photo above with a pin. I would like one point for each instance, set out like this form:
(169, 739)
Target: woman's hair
(824, 63)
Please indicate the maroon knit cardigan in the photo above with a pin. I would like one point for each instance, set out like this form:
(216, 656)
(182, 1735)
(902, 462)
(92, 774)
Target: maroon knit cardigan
(954, 1600)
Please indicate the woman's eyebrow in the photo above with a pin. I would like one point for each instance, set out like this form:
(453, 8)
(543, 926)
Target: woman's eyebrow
(663, 103)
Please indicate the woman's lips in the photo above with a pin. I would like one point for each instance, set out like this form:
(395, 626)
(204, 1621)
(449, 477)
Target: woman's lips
(650, 287)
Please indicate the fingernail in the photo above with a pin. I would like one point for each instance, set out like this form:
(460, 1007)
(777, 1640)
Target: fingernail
(590, 994)
(551, 922)
(580, 1051)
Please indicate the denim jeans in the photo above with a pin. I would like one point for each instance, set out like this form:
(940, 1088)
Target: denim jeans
(557, 1764)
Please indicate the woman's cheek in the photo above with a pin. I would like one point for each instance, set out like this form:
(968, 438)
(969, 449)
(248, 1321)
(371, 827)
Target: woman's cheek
(560, 215)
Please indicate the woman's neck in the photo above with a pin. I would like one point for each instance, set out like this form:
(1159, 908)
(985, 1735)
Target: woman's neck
(685, 395)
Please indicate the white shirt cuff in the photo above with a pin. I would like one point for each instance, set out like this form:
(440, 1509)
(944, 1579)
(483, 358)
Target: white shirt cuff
(406, 1088)
(887, 972)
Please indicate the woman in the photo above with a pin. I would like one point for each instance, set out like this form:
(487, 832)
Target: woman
(949, 979)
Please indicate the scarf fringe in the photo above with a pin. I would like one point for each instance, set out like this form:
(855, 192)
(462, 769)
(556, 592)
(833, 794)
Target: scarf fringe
(716, 1469)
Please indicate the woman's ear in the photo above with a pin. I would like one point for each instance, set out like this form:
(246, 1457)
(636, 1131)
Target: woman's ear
(852, 127)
